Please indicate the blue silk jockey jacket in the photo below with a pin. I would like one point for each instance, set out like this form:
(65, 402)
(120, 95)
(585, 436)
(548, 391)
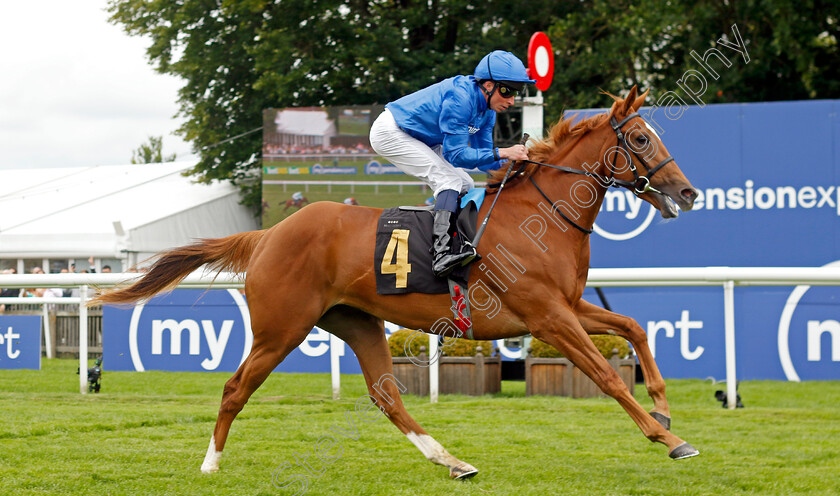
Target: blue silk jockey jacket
(452, 113)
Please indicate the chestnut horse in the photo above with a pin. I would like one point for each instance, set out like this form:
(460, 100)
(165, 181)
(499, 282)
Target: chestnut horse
(314, 268)
(292, 202)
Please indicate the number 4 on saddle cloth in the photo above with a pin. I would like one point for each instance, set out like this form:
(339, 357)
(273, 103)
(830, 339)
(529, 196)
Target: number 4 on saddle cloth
(403, 255)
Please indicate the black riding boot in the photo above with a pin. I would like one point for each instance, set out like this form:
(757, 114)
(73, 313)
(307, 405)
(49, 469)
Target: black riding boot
(444, 261)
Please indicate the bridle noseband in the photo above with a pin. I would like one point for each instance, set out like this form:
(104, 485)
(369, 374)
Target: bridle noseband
(639, 185)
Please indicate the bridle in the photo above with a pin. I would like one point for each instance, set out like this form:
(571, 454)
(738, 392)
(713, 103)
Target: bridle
(639, 185)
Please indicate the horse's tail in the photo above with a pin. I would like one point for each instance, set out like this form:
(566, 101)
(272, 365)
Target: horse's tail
(231, 253)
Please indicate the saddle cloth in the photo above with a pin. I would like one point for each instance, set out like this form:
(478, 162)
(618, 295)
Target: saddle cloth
(402, 256)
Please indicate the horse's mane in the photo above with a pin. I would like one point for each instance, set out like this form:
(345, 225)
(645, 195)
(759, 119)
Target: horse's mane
(564, 132)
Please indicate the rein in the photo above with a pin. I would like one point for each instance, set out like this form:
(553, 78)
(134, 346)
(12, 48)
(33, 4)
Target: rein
(521, 168)
(639, 185)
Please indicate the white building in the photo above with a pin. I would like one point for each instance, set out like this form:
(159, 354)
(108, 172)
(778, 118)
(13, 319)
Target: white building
(119, 215)
(302, 127)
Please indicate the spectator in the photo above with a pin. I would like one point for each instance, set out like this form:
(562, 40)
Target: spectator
(9, 292)
(66, 292)
(106, 269)
(37, 292)
(53, 293)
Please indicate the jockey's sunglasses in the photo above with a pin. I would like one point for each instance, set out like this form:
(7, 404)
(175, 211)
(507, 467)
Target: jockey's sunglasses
(506, 91)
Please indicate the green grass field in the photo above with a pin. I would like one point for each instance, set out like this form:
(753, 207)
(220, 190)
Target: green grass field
(147, 433)
(368, 195)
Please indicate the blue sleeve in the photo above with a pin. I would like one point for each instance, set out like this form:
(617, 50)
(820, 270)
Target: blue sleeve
(484, 138)
(455, 117)
(494, 165)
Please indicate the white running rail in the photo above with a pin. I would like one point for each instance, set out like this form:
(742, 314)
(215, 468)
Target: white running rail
(726, 277)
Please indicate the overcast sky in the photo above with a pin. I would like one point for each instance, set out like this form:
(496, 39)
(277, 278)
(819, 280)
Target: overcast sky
(76, 90)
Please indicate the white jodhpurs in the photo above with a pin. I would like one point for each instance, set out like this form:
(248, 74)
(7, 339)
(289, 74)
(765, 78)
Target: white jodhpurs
(416, 158)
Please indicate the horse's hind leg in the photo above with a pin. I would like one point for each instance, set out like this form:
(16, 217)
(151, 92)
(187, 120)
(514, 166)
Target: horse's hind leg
(265, 354)
(365, 334)
(596, 320)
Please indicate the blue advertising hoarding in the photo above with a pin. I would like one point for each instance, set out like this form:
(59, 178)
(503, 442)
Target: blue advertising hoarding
(769, 181)
(200, 330)
(769, 177)
(20, 342)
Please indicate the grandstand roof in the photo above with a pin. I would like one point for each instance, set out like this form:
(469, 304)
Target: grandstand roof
(107, 210)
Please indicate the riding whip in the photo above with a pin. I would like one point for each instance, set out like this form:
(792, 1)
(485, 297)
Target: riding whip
(483, 225)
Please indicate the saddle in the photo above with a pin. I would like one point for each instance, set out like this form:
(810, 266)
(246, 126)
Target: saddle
(403, 258)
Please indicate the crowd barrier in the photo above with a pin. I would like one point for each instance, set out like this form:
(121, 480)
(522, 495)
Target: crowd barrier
(726, 277)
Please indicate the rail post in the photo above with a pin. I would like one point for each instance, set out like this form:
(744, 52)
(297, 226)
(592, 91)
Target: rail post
(83, 339)
(45, 317)
(729, 336)
(335, 367)
(434, 369)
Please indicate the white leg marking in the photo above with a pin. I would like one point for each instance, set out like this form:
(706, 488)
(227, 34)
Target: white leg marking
(432, 449)
(436, 453)
(212, 458)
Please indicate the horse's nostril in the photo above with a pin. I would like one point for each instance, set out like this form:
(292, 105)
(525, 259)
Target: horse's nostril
(689, 193)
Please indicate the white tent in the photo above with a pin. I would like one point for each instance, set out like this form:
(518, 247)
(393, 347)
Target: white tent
(126, 212)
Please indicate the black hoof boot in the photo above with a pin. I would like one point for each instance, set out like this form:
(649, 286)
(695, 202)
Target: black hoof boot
(684, 450)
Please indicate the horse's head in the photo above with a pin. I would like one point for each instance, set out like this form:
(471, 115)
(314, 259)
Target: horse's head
(637, 159)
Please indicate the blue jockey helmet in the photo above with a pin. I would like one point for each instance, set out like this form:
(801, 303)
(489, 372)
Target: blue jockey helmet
(503, 67)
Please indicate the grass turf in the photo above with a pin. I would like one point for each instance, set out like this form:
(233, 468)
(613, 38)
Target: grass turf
(382, 196)
(147, 433)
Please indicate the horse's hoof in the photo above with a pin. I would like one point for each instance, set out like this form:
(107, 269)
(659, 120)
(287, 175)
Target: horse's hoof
(462, 471)
(684, 450)
(662, 419)
(209, 469)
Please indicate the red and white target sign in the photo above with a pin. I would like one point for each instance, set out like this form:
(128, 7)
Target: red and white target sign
(540, 60)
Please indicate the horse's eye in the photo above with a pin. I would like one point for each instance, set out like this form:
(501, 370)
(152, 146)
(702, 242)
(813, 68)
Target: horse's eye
(642, 139)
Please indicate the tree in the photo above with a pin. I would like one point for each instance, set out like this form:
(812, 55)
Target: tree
(151, 152)
(238, 57)
(792, 50)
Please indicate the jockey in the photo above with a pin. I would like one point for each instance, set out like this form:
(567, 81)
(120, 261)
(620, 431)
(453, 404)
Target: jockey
(297, 196)
(437, 132)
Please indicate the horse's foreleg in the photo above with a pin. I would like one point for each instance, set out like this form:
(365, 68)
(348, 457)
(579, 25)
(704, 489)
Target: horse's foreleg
(264, 357)
(365, 334)
(596, 320)
(562, 330)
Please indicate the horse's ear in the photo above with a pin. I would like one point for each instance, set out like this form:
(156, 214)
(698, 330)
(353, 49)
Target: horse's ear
(640, 100)
(627, 105)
